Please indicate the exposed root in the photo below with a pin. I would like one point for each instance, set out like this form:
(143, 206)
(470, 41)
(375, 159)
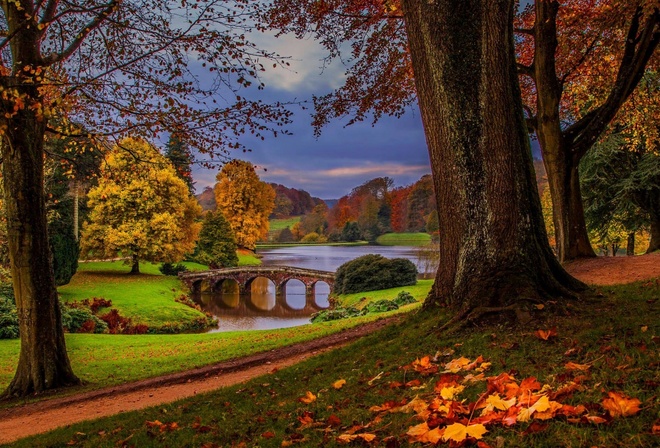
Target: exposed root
(470, 316)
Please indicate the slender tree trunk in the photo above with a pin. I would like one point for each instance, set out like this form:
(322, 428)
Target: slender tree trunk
(630, 246)
(561, 164)
(494, 249)
(654, 243)
(135, 265)
(43, 362)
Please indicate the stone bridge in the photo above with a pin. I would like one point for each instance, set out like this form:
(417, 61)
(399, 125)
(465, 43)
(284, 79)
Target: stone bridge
(244, 276)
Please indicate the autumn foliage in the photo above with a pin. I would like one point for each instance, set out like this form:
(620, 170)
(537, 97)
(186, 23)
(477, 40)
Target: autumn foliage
(245, 201)
(140, 209)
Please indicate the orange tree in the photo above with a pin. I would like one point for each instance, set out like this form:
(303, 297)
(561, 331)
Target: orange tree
(579, 62)
(114, 67)
(246, 202)
(494, 252)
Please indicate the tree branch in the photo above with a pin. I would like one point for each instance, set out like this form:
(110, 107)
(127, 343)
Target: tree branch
(527, 31)
(80, 37)
(639, 48)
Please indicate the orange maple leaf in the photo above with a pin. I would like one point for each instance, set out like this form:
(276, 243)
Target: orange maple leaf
(545, 335)
(618, 405)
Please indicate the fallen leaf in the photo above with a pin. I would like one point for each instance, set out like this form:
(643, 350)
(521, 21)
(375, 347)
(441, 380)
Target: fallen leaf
(348, 438)
(535, 427)
(575, 366)
(333, 421)
(422, 434)
(451, 392)
(459, 432)
(268, 435)
(338, 384)
(645, 328)
(618, 405)
(545, 335)
(308, 398)
(541, 405)
(540, 306)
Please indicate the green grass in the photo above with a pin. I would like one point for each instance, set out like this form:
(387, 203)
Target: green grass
(361, 299)
(147, 298)
(404, 239)
(246, 258)
(616, 333)
(130, 358)
(279, 224)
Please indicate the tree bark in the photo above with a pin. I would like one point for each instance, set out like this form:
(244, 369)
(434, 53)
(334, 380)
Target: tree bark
(654, 242)
(135, 265)
(43, 362)
(563, 148)
(630, 246)
(561, 164)
(494, 250)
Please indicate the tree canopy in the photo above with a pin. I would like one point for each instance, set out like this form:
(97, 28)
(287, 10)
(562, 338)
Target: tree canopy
(217, 244)
(140, 209)
(245, 201)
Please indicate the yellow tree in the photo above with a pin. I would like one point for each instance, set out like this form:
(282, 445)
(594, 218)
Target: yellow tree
(245, 201)
(141, 209)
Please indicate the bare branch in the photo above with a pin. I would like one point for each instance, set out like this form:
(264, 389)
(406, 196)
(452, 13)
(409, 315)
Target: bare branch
(80, 37)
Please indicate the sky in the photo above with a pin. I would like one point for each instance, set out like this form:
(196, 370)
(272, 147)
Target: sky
(343, 157)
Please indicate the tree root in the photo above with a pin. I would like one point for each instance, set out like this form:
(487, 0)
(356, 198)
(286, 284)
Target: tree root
(469, 316)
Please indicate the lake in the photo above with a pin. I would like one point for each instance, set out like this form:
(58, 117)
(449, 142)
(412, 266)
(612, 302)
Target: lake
(261, 310)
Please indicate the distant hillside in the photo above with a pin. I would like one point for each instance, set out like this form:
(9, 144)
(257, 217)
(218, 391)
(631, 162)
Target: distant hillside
(292, 202)
(206, 199)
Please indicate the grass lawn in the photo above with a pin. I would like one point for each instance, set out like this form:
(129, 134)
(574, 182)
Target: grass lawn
(611, 337)
(247, 258)
(360, 299)
(279, 224)
(131, 358)
(404, 239)
(147, 298)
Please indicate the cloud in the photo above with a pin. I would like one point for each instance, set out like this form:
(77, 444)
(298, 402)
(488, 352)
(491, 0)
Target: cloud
(306, 72)
(375, 170)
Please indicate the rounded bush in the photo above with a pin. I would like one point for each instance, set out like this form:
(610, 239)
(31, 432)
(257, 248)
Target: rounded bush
(372, 272)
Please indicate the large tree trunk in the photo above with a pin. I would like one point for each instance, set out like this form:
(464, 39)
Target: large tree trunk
(43, 362)
(493, 245)
(561, 164)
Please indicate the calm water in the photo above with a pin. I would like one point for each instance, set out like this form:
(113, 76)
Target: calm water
(262, 311)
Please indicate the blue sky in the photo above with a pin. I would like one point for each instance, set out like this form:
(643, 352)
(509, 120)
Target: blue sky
(342, 157)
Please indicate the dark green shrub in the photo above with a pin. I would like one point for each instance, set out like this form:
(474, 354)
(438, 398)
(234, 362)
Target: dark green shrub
(381, 306)
(172, 269)
(404, 298)
(372, 272)
(65, 250)
(77, 318)
(337, 313)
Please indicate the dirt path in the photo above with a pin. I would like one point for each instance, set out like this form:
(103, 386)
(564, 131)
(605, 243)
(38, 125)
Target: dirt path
(616, 270)
(36, 418)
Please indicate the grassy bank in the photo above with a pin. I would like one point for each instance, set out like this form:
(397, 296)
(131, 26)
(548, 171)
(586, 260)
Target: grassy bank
(404, 239)
(130, 358)
(147, 298)
(605, 343)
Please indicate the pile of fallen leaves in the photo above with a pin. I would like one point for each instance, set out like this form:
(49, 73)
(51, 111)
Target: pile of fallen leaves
(446, 417)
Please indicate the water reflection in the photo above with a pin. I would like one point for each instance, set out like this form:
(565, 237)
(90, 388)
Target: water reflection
(262, 309)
